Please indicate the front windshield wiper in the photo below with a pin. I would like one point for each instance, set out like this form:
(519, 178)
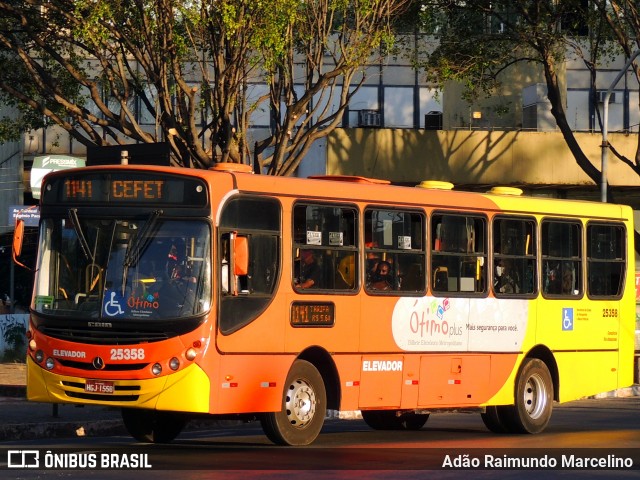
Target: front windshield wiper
(84, 245)
(139, 244)
(141, 240)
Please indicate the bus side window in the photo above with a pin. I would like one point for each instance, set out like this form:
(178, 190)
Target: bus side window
(325, 247)
(514, 256)
(395, 251)
(458, 253)
(561, 257)
(606, 258)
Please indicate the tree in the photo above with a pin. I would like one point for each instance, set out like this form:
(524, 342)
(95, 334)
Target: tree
(623, 18)
(166, 70)
(473, 51)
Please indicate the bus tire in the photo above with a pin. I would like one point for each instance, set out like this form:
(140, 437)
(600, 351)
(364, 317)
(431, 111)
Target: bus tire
(533, 399)
(304, 407)
(494, 419)
(152, 426)
(390, 420)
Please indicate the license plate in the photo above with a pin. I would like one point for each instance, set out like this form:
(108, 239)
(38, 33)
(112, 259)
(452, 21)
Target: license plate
(104, 387)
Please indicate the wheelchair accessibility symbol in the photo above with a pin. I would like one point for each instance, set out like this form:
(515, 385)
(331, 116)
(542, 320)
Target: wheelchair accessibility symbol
(113, 305)
(567, 319)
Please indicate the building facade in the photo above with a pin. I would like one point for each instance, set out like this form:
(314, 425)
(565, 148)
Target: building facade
(419, 131)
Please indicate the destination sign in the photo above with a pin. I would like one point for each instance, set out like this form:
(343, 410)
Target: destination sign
(137, 190)
(120, 187)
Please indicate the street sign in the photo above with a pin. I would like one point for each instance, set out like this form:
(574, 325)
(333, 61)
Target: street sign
(50, 163)
(30, 214)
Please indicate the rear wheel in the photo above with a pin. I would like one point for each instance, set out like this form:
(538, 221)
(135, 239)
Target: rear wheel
(304, 406)
(390, 420)
(152, 425)
(533, 399)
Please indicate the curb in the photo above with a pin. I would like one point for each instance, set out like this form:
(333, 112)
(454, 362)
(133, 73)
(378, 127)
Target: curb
(13, 391)
(31, 431)
(633, 391)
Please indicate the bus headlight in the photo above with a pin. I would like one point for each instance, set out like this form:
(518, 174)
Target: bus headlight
(32, 345)
(39, 356)
(156, 369)
(174, 364)
(190, 354)
(49, 364)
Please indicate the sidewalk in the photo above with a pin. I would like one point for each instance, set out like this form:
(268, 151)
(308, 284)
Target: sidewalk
(13, 377)
(22, 420)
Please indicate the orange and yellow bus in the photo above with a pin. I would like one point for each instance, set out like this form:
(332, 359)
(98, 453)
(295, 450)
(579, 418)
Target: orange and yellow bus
(175, 292)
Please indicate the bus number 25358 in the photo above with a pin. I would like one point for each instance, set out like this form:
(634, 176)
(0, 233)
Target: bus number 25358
(127, 354)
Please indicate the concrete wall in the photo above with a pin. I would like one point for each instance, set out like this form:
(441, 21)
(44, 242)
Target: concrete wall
(474, 156)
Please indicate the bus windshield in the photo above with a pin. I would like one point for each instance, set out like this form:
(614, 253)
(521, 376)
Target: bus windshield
(143, 268)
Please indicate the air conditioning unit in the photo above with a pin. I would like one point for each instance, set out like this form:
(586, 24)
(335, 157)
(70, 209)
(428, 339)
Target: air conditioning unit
(601, 94)
(433, 120)
(369, 118)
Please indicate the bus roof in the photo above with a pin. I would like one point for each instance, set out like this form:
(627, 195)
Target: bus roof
(435, 194)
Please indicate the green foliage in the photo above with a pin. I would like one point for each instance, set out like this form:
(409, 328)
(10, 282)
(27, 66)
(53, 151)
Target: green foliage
(96, 67)
(478, 40)
(14, 335)
(11, 129)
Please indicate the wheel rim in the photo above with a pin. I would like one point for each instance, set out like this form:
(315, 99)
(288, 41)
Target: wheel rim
(535, 396)
(300, 403)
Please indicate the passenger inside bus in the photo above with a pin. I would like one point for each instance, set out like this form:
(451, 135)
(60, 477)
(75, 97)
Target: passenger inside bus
(568, 279)
(177, 293)
(507, 279)
(372, 261)
(177, 296)
(553, 283)
(172, 261)
(381, 279)
(310, 273)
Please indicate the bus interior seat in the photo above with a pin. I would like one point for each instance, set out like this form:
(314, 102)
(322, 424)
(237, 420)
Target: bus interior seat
(345, 277)
(441, 279)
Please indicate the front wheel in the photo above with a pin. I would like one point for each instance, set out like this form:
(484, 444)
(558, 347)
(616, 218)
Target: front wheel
(304, 406)
(153, 426)
(533, 399)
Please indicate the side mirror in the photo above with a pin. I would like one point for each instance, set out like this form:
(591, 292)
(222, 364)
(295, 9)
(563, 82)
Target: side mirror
(18, 238)
(238, 260)
(18, 241)
(240, 255)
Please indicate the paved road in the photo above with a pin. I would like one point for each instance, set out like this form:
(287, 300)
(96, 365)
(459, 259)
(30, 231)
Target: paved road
(21, 420)
(605, 429)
